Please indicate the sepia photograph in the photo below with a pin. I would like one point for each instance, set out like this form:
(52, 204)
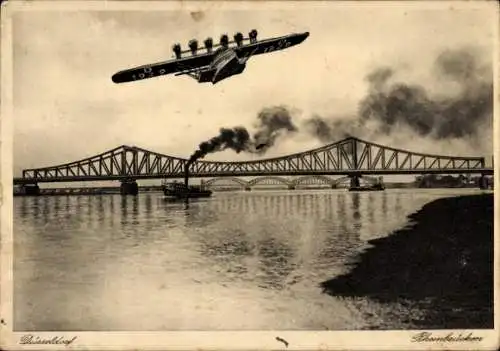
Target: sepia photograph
(248, 175)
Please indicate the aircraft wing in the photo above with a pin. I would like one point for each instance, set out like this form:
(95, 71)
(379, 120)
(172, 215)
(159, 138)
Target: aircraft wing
(163, 68)
(270, 45)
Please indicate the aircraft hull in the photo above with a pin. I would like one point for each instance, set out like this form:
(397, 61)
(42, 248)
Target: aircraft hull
(206, 76)
(226, 64)
(229, 66)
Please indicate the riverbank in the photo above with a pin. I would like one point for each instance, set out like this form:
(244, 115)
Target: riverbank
(444, 260)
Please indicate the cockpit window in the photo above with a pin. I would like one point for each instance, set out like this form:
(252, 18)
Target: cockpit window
(219, 50)
(222, 55)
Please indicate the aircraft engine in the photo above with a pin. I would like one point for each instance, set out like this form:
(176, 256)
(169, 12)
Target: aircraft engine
(176, 48)
(193, 46)
(238, 38)
(224, 40)
(209, 43)
(253, 35)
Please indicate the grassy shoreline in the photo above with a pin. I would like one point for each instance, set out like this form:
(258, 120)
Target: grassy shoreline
(445, 257)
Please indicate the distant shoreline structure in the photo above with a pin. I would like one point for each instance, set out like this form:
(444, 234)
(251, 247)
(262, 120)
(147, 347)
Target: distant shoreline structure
(111, 190)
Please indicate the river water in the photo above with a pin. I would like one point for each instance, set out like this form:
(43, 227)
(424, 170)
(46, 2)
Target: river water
(236, 261)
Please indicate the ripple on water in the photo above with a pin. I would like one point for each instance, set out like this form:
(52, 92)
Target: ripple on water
(235, 261)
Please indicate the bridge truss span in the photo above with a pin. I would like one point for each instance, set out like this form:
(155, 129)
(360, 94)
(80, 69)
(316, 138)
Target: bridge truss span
(347, 157)
(118, 163)
(351, 155)
(375, 156)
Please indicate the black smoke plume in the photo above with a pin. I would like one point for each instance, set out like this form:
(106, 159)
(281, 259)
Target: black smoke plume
(390, 103)
(457, 112)
(272, 123)
(237, 139)
(326, 130)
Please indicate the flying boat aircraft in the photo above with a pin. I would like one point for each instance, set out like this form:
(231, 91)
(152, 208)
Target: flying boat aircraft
(211, 63)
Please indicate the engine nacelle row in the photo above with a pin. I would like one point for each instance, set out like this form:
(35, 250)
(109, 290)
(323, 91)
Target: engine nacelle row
(224, 41)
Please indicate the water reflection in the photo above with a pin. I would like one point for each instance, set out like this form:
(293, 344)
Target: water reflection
(275, 235)
(355, 207)
(275, 260)
(265, 252)
(22, 208)
(124, 210)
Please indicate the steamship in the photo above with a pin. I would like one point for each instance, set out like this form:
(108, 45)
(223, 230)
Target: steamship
(356, 186)
(183, 190)
(374, 187)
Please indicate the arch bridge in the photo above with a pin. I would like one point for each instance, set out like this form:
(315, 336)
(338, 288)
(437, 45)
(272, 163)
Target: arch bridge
(350, 157)
(279, 181)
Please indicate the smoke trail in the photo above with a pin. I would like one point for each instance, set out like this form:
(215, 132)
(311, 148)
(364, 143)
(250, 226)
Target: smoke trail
(379, 77)
(272, 123)
(326, 130)
(390, 105)
(237, 139)
(443, 117)
(473, 106)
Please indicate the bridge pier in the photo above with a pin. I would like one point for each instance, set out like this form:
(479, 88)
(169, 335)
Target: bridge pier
(129, 187)
(484, 182)
(380, 182)
(354, 181)
(30, 189)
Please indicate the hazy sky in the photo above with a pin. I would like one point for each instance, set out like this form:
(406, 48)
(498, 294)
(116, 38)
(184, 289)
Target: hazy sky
(67, 108)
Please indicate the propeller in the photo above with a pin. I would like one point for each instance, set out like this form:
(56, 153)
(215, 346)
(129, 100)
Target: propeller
(193, 46)
(176, 48)
(209, 43)
(253, 35)
(238, 38)
(224, 40)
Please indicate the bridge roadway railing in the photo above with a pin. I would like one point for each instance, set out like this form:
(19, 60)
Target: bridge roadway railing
(350, 156)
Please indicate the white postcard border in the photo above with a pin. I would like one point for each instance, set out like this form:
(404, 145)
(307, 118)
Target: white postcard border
(262, 340)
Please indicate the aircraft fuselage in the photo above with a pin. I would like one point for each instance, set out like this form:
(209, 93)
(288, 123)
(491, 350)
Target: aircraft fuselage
(225, 64)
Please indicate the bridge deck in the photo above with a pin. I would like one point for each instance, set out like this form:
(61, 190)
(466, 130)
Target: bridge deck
(20, 180)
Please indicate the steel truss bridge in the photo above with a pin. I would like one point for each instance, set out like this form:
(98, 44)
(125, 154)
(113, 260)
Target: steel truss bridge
(350, 157)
